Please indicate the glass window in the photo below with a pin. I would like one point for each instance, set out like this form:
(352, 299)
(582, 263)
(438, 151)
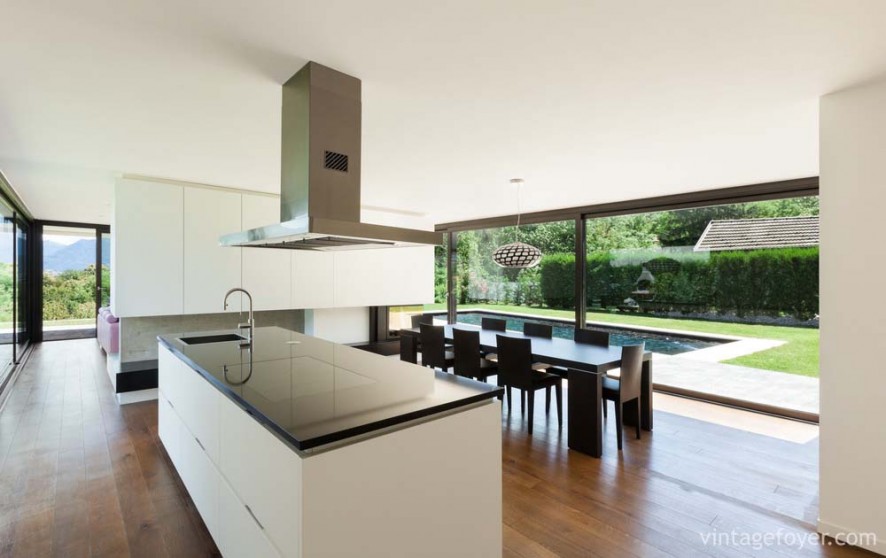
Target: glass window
(69, 282)
(544, 293)
(7, 291)
(22, 291)
(106, 269)
(688, 282)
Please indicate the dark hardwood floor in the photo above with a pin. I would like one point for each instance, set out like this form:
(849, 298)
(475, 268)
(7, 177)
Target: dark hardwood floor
(81, 476)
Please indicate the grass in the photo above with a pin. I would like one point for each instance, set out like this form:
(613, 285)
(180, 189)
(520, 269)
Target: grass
(799, 354)
(70, 322)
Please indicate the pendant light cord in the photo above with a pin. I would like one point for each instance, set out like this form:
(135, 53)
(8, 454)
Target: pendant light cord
(517, 231)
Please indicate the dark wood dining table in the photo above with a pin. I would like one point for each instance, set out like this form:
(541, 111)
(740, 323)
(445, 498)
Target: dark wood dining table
(586, 365)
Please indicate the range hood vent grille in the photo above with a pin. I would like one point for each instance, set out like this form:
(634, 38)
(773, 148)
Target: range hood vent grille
(335, 161)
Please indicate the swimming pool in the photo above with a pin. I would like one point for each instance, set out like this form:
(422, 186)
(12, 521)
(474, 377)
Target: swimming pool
(655, 342)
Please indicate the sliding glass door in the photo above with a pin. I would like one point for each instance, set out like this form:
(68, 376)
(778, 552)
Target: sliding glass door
(7, 291)
(22, 287)
(76, 280)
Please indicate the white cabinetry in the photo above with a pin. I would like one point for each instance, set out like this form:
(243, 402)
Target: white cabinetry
(148, 250)
(201, 478)
(240, 533)
(167, 261)
(265, 474)
(312, 279)
(382, 277)
(266, 272)
(374, 498)
(209, 269)
(169, 428)
(244, 482)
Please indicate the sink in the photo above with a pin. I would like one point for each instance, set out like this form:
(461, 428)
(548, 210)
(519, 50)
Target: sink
(219, 338)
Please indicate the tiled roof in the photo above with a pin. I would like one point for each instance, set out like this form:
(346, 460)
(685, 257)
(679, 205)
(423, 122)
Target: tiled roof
(751, 234)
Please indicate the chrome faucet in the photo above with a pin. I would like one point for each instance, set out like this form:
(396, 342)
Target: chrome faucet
(249, 326)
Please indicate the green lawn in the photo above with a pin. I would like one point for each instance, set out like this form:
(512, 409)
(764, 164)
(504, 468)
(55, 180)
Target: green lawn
(70, 322)
(799, 354)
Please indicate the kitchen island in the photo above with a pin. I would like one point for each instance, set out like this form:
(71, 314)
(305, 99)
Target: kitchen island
(295, 446)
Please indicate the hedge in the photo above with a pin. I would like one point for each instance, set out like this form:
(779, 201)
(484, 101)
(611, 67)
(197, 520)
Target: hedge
(781, 281)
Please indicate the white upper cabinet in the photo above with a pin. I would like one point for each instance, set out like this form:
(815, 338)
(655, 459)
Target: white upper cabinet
(384, 277)
(209, 269)
(167, 260)
(148, 251)
(312, 279)
(266, 272)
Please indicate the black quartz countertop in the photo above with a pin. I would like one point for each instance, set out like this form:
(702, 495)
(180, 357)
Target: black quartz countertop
(313, 392)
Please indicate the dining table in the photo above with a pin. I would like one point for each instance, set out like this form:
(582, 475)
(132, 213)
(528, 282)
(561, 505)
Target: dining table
(586, 367)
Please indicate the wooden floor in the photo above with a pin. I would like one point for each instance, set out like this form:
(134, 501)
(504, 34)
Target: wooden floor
(81, 476)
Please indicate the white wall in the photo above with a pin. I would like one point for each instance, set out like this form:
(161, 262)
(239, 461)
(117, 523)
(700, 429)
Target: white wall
(340, 325)
(853, 325)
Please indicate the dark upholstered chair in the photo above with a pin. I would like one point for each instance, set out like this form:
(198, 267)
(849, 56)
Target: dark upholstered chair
(469, 361)
(409, 348)
(493, 324)
(515, 369)
(592, 337)
(626, 388)
(418, 319)
(433, 348)
(538, 330)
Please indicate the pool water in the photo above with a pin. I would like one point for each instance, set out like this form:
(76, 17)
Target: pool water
(655, 342)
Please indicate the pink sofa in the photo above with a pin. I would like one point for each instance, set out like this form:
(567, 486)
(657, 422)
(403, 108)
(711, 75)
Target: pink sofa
(108, 331)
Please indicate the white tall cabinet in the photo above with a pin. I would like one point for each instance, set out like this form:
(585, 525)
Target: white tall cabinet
(147, 249)
(209, 269)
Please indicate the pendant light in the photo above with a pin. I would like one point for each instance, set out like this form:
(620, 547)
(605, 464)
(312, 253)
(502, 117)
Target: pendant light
(517, 255)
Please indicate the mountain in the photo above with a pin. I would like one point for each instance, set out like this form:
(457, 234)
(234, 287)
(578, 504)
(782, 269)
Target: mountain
(78, 255)
(49, 248)
(60, 257)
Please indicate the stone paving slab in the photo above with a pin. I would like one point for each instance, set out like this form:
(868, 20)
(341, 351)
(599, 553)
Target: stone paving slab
(777, 389)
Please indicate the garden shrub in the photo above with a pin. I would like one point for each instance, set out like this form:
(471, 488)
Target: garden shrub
(557, 272)
(780, 281)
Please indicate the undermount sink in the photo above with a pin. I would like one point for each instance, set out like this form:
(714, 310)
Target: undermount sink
(218, 338)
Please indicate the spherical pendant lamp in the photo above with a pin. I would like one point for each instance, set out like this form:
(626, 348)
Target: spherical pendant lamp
(517, 255)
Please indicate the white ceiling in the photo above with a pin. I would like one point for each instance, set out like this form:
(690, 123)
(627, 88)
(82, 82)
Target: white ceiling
(589, 101)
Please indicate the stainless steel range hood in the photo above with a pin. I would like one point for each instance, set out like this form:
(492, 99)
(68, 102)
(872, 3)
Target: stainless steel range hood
(320, 189)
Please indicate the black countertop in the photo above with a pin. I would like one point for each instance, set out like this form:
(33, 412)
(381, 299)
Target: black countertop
(312, 392)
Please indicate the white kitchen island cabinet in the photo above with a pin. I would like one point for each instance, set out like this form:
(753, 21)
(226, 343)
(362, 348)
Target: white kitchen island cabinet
(299, 447)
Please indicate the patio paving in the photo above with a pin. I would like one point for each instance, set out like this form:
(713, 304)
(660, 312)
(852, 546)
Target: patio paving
(765, 387)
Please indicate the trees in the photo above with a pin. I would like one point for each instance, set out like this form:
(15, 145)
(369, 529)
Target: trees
(615, 245)
(69, 294)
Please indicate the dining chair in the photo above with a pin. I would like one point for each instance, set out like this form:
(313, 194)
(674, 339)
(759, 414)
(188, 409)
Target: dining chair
(493, 324)
(531, 329)
(409, 349)
(469, 361)
(515, 369)
(626, 388)
(418, 319)
(433, 348)
(592, 337)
